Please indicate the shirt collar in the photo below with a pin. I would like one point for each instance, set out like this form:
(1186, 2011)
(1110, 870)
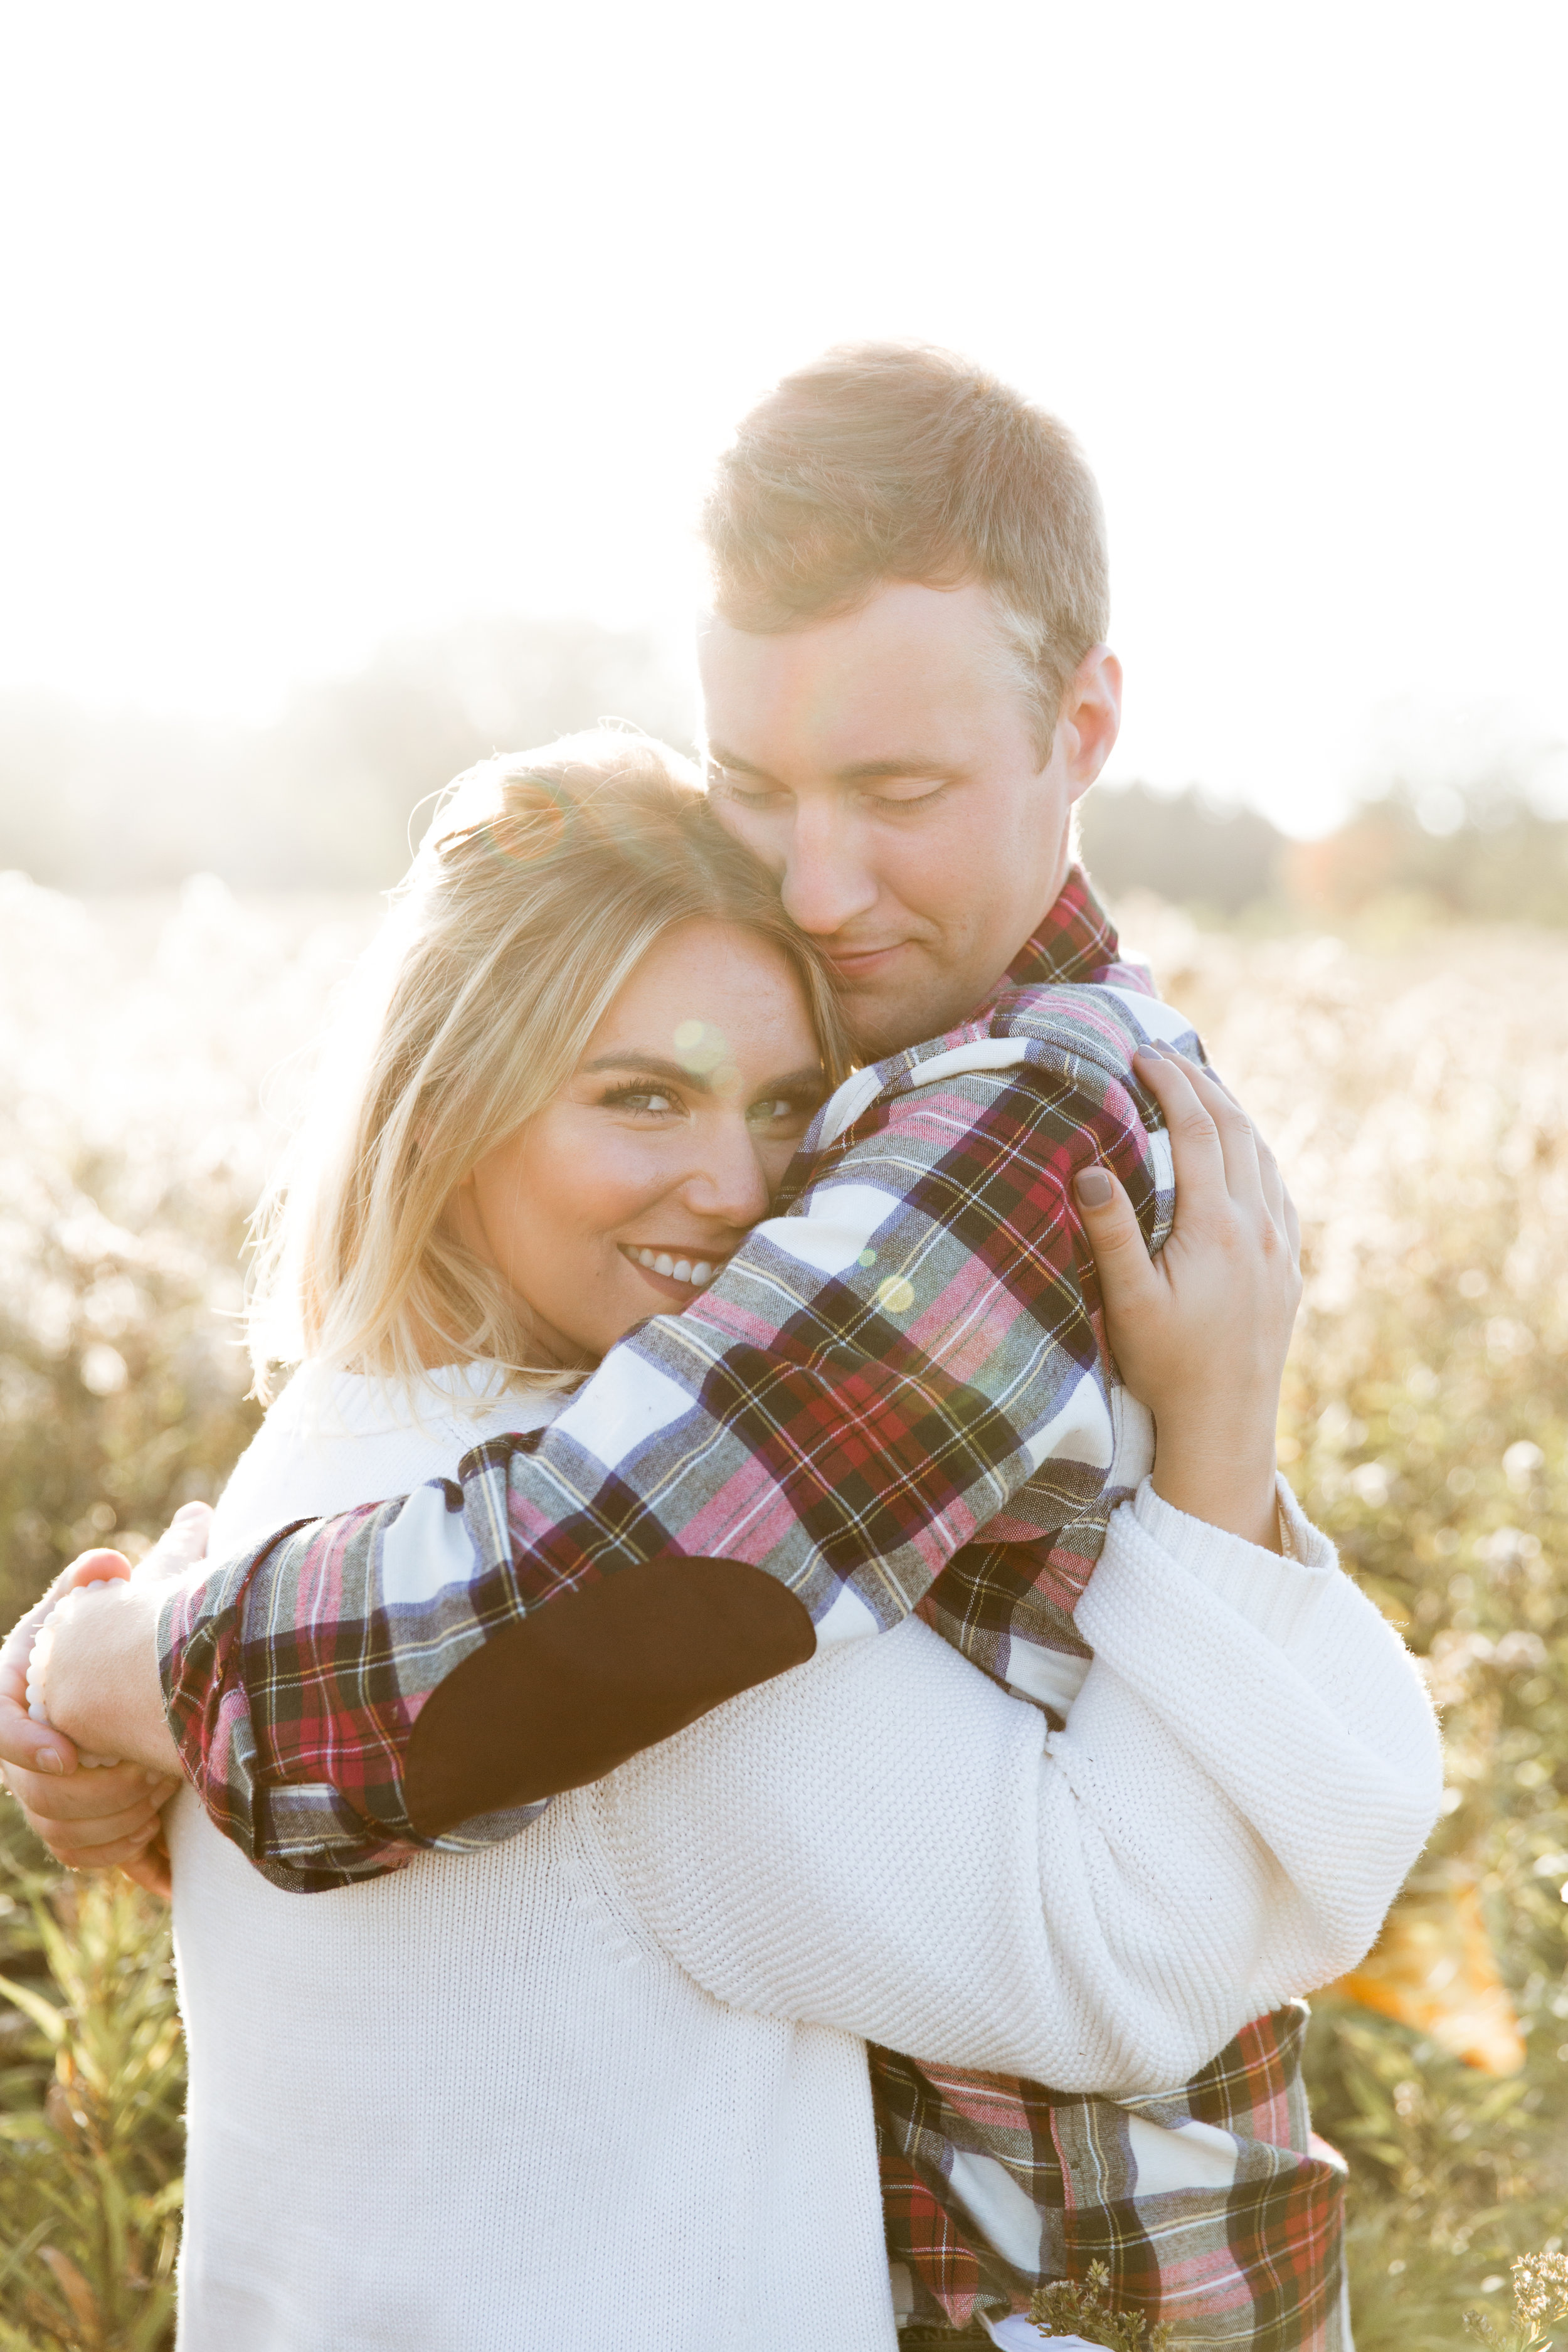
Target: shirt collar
(1075, 941)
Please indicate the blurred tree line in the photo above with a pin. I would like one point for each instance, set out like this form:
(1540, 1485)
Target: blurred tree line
(1485, 853)
(322, 796)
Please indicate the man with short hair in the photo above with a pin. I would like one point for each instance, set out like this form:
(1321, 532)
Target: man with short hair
(905, 691)
(905, 683)
(897, 1394)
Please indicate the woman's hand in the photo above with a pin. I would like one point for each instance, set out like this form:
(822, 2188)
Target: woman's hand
(104, 1688)
(1200, 1333)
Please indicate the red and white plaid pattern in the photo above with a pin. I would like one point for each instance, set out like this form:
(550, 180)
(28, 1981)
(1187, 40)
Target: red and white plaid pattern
(1212, 2207)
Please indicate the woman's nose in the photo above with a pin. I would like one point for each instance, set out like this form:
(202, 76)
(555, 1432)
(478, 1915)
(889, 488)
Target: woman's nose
(727, 1179)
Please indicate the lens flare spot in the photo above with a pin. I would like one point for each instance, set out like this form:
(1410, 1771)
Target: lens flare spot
(700, 1047)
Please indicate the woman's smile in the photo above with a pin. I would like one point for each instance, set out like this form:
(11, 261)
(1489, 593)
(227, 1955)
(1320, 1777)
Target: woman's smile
(684, 1266)
(635, 1184)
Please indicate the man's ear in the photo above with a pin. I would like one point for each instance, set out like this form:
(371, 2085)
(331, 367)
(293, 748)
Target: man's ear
(1091, 718)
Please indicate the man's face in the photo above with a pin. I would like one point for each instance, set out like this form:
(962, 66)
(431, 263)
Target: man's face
(884, 765)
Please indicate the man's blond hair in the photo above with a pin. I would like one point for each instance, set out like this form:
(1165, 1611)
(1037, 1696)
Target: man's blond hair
(881, 462)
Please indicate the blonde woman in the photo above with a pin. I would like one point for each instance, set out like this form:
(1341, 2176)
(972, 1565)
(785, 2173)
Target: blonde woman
(601, 2080)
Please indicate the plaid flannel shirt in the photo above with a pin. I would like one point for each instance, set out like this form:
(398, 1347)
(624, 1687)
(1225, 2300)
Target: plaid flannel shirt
(1213, 2207)
(897, 1395)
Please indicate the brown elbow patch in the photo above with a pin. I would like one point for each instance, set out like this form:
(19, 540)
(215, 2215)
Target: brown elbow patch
(565, 1694)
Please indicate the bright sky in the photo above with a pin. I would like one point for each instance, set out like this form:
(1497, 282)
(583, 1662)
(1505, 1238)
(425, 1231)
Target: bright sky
(327, 322)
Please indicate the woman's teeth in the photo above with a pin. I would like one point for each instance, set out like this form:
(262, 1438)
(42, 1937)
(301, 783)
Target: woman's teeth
(698, 1271)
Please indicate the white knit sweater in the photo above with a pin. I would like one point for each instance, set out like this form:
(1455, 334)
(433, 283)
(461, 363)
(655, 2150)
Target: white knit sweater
(603, 2085)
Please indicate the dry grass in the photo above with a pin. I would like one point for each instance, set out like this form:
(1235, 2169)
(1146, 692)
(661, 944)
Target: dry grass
(1418, 1093)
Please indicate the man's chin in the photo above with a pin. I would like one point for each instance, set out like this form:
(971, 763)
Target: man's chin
(886, 1017)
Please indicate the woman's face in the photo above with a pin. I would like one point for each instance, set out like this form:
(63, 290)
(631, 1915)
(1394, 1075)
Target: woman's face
(624, 1195)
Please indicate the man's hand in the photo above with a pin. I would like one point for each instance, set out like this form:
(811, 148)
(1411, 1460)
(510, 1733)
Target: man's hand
(1201, 1332)
(91, 1819)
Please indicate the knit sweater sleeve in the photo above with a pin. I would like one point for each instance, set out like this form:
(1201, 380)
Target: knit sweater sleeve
(884, 1841)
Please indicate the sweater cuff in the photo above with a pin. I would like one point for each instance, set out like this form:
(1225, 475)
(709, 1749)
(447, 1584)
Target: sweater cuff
(1278, 1594)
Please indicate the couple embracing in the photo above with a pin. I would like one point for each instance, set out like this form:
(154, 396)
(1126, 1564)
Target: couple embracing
(756, 1755)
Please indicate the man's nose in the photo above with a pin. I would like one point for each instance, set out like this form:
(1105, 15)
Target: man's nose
(827, 882)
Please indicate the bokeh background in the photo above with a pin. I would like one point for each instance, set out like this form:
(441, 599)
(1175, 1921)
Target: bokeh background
(361, 370)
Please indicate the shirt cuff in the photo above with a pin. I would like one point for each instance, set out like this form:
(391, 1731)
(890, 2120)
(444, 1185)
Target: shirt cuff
(1276, 1593)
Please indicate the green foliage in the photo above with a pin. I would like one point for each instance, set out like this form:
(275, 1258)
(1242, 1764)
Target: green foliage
(1064, 2308)
(133, 1046)
(1540, 2302)
(1420, 1104)
(89, 2117)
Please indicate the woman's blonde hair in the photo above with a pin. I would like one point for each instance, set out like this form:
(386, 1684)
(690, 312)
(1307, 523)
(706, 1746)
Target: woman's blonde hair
(543, 880)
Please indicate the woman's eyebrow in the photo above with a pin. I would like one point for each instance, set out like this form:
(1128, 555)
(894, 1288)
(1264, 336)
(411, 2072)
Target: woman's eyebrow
(658, 1065)
(649, 1065)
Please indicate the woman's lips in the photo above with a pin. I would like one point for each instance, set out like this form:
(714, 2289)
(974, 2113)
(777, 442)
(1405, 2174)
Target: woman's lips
(680, 1273)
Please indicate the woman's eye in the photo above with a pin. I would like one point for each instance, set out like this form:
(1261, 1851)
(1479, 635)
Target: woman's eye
(776, 1110)
(644, 1098)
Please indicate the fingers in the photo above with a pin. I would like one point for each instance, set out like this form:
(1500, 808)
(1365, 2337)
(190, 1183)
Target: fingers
(24, 1744)
(96, 1567)
(37, 1747)
(29, 1748)
(1275, 1193)
(1111, 1224)
(1252, 1178)
(97, 1843)
(1197, 1147)
(93, 1820)
(1277, 1199)
(123, 1853)
(1127, 1276)
(1293, 1231)
(1237, 1136)
(85, 1796)
(183, 1542)
(150, 1870)
(1276, 1196)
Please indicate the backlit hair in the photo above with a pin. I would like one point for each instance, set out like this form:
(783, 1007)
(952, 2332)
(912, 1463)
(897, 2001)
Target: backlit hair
(883, 462)
(543, 880)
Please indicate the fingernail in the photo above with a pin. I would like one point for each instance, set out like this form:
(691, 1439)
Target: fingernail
(186, 1511)
(49, 1759)
(1092, 1186)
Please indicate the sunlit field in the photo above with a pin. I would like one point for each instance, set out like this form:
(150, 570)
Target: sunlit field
(1417, 1091)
